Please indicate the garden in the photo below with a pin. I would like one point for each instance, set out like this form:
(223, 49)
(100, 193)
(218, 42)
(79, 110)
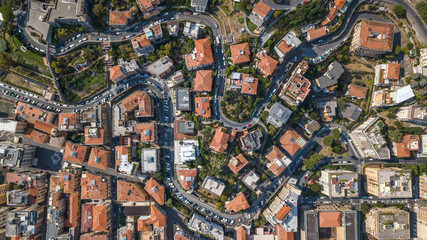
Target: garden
(64, 32)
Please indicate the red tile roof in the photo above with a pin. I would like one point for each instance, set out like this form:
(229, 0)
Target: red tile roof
(94, 136)
(357, 91)
(68, 121)
(219, 141)
(94, 237)
(237, 204)
(73, 210)
(291, 141)
(93, 187)
(329, 219)
(393, 71)
(115, 72)
(316, 33)
(333, 11)
(240, 234)
(281, 233)
(267, 65)
(203, 106)
(156, 219)
(376, 35)
(340, 3)
(203, 81)
(283, 212)
(99, 220)
(186, 177)
(147, 131)
(141, 100)
(31, 113)
(130, 192)
(284, 47)
(37, 136)
(120, 18)
(203, 55)
(261, 9)
(409, 143)
(249, 84)
(65, 181)
(75, 153)
(240, 53)
(156, 191)
(237, 163)
(141, 41)
(98, 158)
(275, 153)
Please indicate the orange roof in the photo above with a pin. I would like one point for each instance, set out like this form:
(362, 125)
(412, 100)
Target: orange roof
(340, 3)
(283, 212)
(240, 234)
(99, 220)
(65, 181)
(156, 191)
(298, 88)
(261, 9)
(291, 141)
(409, 143)
(237, 163)
(376, 35)
(267, 65)
(75, 153)
(180, 237)
(98, 158)
(121, 150)
(284, 47)
(275, 153)
(147, 3)
(357, 91)
(282, 234)
(94, 237)
(203, 81)
(31, 113)
(130, 192)
(44, 127)
(186, 177)
(247, 83)
(238, 204)
(37, 136)
(94, 136)
(219, 141)
(68, 121)
(73, 210)
(147, 130)
(120, 17)
(156, 29)
(115, 72)
(240, 53)
(55, 197)
(203, 55)
(93, 187)
(393, 71)
(316, 33)
(156, 219)
(140, 99)
(141, 41)
(333, 11)
(329, 219)
(203, 106)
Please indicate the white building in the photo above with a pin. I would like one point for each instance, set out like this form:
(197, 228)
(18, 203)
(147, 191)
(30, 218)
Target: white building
(199, 224)
(12, 126)
(149, 160)
(186, 150)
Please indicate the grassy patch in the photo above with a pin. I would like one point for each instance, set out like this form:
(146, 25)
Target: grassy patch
(123, 50)
(251, 25)
(421, 7)
(238, 107)
(64, 32)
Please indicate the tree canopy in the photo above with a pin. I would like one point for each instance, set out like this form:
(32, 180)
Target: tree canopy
(400, 11)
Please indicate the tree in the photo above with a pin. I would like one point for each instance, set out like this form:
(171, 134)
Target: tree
(400, 11)
(309, 163)
(337, 149)
(224, 198)
(169, 203)
(219, 205)
(328, 140)
(336, 133)
(3, 45)
(315, 187)
(276, 14)
(410, 46)
(5, 61)
(397, 50)
(395, 135)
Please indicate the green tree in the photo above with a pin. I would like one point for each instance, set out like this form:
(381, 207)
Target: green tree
(3, 45)
(397, 50)
(224, 198)
(98, 10)
(219, 205)
(328, 140)
(395, 135)
(410, 46)
(315, 187)
(337, 149)
(336, 133)
(5, 61)
(400, 11)
(311, 161)
(169, 203)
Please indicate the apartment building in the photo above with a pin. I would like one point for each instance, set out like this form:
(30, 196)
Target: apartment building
(388, 182)
(388, 223)
(372, 38)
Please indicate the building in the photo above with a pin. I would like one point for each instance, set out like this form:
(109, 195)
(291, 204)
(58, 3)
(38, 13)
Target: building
(387, 74)
(240, 53)
(328, 110)
(251, 179)
(120, 19)
(251, 141)
(277, 161)
(368, 140)
(352, 112)
(96, 217)
(339, 183)
(25, 223)
(161, 67)
(292, 142)
(37, 136)
(156, 191)
(388, 182)
(32, 114)
(94, 136)
(147, 131)
(186, 177)
(311, 126)
(142, 45)
(183, 129)
(237, 163)
(388, 223)
(329, 80)
(150, 160)
(198, 223)
(267, 65)
(186, 151)
(278, 115)
(3, 212)
(124, 165)
(31, 188)
(421, 222)
(371, 38)
(126, 232)
(123, 69)
(94, 187)
(202, 57)
(4, 188)
(12, 126)
(202, 83)
(333, 12)
(219, 141)
(149, 7)
(138, 100)
(154, 32)
(288, 42)
(297, 88)
(243, 82)
(410, 143)
(192, 30)
(239, 203)
(423, 186)
(355, 91)
(173, 28)
(202, 106)
(199, 5)
(183, 99)
(213, 186)
(130, 192)
(99, 158)
(260, 14)
(413, 114)
(152, 225)
(16, 155)
(392, 96)
(316, 33)
(69, 122)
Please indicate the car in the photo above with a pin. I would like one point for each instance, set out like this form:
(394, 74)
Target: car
(305, 177)
(216, 25)
(249, 124)
(196, 14)
(190, 13)
(78, 35)
(235, 128)
(122, 38)
(305, 2)
(346, 149)
(223, 81)
(244, 127)
(28, 43)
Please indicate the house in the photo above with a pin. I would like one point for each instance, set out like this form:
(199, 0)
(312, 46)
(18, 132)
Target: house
(156, 191)
(130, 192)
(237, 163)
(219, 141)
(316, 33)
(239, 203)
(154, 32)
(149, 7)
(124, 165)
(150, 160)
(251, 179)
(186, 177)
(37, 136)
(173, 28)
(141, 102)
(148, 132)
(328, 110)
(292, 142)
(17, 155)
(183, 98)
(120, 19)
(240, 53)
(251, 141)
(203, 81)
(260, 14)
(278, 161)
(32, 114)
(414, 114)
(267, 65)
(297, 88)
(192, 30)
(311, 126)
(392, 96)
(339, 183)
(202, 57)
(213, 186)
(161, 67)
(142, 45)
(410, 143)
(69, 122)
(372, 38)
(333, 12)
(94, 187)
(203, 106)
(278, 115)
(75, 153)
(244, 82)
(94, 136)
(99, 158)
(199, 5)
(152, 225)
(96, 217)
(352, 112)
(329, 80)
(356, 91)
(288, 42)
(378, 223)
(186, 151)
(123, 69)
(24, 222)
(200, 224)
(183, 129)
(387, 74)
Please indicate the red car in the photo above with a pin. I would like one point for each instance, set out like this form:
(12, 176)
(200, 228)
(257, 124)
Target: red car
(66, 42)
(223, 81)
(190, 13)
(346, 150)
(249, 125)
(305, 177)
(304, 2)
(312, 181)
(331, 163)
(28, 43)
(123, 37)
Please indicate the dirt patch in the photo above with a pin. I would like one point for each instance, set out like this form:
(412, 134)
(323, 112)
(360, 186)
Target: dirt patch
(357, 64)
(17, 80)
